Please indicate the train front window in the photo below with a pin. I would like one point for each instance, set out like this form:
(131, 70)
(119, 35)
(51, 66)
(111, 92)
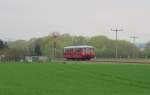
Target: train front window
(68, 50)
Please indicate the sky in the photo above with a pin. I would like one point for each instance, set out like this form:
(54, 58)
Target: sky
(25, 19)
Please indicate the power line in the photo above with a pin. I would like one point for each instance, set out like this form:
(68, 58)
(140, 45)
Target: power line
(116, 30)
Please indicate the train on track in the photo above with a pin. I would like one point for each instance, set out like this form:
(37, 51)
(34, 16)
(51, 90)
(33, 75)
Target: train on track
(82, 52)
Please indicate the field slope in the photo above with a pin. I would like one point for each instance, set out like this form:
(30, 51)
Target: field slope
(74, 79)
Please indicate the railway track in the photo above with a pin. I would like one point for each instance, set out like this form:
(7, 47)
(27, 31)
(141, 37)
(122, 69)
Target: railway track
(113, 61)
(117, 61)
(122, 61)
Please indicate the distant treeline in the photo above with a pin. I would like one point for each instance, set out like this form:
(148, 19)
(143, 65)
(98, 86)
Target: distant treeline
(104, 47)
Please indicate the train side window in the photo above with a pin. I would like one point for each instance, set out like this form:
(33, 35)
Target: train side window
(92, 49)
(71, 50)
(68, 50)
(78, 49)
(88, 50)
(84, 50)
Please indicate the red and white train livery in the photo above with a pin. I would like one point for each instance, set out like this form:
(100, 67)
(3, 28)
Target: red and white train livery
(83, 52)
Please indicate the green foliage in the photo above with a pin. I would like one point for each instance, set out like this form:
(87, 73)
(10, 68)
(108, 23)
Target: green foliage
(37, 50)
(104, 47)
(126, 49)
(146, 52)
(74, 79)
(3, 45)
(19, 44)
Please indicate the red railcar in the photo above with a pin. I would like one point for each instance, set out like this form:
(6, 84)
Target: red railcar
(83, 52)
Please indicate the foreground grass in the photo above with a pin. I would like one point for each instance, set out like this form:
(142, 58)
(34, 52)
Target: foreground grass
(74, 79)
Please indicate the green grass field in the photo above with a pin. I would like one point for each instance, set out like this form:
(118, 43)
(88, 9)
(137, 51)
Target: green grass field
(74, 79)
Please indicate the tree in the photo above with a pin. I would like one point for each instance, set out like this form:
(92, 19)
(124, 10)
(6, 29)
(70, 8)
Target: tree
(104, 47)
(2, 46)
(37, 50)
(146, 51)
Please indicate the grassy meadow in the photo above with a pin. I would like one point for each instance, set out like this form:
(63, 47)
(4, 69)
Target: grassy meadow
(74, 79)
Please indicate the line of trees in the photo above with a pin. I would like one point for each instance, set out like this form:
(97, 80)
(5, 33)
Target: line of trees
(104, 47)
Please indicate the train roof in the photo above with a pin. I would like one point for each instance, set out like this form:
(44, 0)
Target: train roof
(81, 46)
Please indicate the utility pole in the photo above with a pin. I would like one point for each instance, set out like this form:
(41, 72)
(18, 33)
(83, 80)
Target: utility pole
(55, 36)
(116, 30)
(134, 39)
